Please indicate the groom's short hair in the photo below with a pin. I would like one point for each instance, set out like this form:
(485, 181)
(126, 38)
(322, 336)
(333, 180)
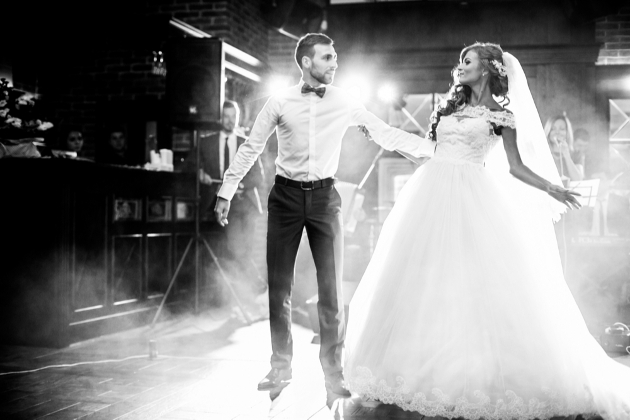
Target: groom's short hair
(305, 46)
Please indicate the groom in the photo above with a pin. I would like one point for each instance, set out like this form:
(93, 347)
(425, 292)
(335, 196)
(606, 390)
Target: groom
(310, 120)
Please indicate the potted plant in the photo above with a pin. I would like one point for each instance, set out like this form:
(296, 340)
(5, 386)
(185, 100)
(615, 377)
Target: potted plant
(20, 122)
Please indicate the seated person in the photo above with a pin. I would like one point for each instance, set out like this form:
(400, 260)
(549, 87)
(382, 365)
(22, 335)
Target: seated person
(72, 141)
(115, 152)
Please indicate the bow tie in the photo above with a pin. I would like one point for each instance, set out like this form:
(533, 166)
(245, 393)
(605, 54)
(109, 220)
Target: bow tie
(318, 91)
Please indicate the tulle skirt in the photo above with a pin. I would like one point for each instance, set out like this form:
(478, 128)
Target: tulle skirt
(464, 311)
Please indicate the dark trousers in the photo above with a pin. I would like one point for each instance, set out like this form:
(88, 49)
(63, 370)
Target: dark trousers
(319, 211)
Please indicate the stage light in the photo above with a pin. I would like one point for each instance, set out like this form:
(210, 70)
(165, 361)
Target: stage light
(277, 82)
(358, 87)
(387, 93)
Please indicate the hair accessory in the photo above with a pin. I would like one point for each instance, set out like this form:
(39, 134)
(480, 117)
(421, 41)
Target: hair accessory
(500, 67)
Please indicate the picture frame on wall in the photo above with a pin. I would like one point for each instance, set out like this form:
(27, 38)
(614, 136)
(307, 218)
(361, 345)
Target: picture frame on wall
(159, 210)
(127, 209)
(185, 210)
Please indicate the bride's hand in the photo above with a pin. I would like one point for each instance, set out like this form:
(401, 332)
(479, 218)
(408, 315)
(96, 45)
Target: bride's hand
(564, 196)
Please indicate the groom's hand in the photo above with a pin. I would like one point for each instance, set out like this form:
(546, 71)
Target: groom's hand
(221, 210)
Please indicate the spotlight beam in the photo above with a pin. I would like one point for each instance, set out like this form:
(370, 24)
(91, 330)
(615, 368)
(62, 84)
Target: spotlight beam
(387, 93)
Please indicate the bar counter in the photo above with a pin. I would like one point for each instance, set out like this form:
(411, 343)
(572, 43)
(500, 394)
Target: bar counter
(89, 249)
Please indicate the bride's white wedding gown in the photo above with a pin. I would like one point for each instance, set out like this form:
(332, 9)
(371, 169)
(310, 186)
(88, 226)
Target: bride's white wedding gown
(463, 311)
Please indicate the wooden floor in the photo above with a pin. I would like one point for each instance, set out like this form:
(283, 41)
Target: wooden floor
(208, 367)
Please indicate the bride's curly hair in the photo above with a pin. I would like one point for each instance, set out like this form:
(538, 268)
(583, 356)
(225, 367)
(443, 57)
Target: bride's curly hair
(459, 95)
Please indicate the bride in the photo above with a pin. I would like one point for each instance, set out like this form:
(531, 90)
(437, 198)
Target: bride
(463, 310)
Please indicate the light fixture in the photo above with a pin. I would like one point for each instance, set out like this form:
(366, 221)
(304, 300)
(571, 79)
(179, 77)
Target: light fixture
(277, 83)
(387, 93)
(358, 87)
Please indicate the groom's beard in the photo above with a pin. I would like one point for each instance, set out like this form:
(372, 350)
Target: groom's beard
(322, 78)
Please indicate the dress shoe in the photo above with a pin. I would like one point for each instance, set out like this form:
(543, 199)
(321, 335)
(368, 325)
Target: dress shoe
(275, 378)
(337, 385)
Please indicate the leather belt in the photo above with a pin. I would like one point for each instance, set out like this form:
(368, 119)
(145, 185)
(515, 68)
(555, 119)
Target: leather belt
(306, 185)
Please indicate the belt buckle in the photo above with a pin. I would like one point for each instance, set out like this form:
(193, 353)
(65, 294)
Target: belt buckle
(307, 188)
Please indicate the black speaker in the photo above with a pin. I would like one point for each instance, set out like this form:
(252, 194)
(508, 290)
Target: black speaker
(195, 77)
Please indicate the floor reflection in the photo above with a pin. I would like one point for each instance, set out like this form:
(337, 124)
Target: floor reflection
(275, 392)
(340, 408)
(207, 368)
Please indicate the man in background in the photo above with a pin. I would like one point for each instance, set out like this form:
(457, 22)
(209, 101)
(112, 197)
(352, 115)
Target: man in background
(217, 150)
(115, 152)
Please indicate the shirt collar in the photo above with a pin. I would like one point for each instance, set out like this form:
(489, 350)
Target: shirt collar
(302, 82)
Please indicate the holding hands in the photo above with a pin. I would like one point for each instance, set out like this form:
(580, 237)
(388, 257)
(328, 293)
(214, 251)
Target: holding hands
(363, 129)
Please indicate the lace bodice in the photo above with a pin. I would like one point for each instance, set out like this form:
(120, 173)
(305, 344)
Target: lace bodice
(468, 134)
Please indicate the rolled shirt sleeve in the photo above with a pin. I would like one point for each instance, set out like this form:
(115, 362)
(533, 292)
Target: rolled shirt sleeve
(391, 138)
(250, 150)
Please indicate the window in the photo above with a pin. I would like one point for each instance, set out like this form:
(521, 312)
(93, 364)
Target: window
(619, 128)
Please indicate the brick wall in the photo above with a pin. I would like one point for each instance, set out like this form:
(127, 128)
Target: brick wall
(238, 22)
(122, 71)
(281, 56)
(613, 32)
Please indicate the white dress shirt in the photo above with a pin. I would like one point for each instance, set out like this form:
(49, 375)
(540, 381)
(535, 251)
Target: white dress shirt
(309, 131)
(232, 144)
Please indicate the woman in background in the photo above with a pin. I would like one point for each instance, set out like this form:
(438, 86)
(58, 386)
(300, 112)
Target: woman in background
(560, 138)
(73, 141)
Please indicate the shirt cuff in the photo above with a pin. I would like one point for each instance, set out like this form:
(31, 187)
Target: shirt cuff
(227, 191)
